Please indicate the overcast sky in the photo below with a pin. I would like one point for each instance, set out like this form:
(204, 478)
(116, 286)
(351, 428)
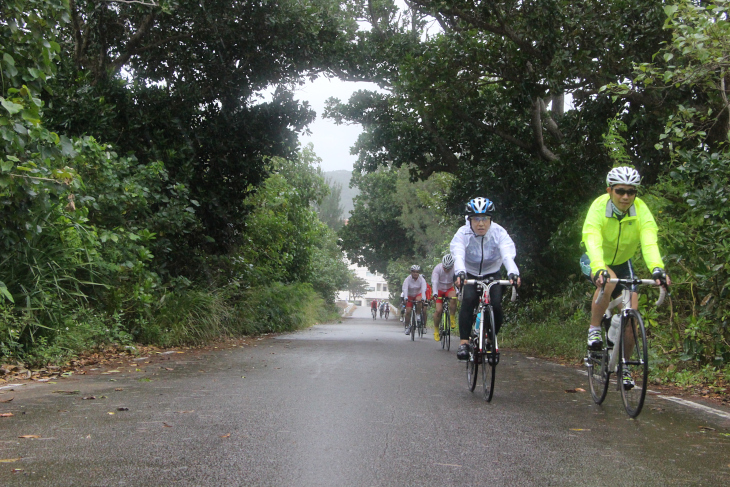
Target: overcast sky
(331, 142)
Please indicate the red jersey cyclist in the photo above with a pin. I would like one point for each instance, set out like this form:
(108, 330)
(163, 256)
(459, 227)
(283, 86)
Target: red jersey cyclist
(414, 290)
(442, 280)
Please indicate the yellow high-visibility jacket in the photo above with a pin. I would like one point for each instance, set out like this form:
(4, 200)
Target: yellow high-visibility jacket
(609, 241)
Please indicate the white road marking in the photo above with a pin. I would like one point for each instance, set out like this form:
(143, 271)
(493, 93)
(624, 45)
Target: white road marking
(695, 405)
(681, 401)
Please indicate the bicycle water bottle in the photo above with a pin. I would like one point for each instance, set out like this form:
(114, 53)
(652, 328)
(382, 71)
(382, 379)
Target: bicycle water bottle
(479, 319)
(613, 331)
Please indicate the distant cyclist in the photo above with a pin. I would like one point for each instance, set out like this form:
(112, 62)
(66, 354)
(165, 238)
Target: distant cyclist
(374, 308)
(414, 289)
(616, 225)
(387, 309)
(442, 280)
(480, 248)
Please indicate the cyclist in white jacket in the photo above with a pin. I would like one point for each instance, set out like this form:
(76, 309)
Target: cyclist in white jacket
(480, 248)
(414, 290)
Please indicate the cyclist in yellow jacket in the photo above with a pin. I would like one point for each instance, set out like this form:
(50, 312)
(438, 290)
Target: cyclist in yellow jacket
(617, 224)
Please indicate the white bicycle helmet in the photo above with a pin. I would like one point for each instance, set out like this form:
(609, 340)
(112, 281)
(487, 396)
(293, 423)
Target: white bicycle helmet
(623, 175)
(416, 267)
(448, 261)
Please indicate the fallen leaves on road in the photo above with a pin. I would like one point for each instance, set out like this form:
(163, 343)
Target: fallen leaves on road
(573, 391)
(29, 436)
(122, 409)
(167, 425)
(579, 429)
(226, 436)
(186, 412)
(5, 415)
(88, 398)
(706, 428)
(9, 460)
(118, 389)
(68, 393)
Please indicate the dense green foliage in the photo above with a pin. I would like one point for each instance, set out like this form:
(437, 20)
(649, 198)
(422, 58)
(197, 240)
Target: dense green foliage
(484, 98)
(151, 192)
(146, 192)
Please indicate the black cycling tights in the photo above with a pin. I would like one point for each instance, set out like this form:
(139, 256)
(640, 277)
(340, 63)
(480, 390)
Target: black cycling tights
(471, 300)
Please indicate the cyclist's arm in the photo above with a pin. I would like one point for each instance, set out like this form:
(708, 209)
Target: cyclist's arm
(508, 252)
(423, 287)
(458, 250)
(593, 237)
(648, 237)
(435, 278)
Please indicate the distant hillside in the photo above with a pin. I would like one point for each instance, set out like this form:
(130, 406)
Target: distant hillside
(343, 177)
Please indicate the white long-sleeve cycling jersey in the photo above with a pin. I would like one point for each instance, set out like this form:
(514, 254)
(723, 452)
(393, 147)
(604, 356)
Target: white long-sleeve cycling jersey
(441, 279)
(413, 287)
(483, 255)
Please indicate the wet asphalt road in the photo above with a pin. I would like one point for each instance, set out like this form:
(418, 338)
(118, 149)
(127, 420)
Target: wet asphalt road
(351, 404)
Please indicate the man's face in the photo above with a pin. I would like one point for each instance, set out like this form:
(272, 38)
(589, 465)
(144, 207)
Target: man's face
(622, 195)
(480, 224)
(414, 275)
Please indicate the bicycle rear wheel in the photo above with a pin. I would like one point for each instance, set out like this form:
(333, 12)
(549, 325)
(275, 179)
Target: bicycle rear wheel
(635, 362)
(598, 378)
(489, 365)
(597, 363)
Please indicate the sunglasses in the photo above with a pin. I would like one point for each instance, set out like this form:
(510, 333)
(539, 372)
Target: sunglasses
(623, 192)
(480, 218)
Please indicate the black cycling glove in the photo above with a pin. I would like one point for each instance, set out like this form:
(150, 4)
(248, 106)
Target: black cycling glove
(659, 274)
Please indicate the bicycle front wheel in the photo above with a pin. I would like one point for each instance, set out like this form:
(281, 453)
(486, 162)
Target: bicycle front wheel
(633, 362)
(444, 326)
(472, 369)
(489, 367)
(413, 325)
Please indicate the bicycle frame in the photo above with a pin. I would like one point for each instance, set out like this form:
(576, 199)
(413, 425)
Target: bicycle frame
(484, 300)
(625, 301)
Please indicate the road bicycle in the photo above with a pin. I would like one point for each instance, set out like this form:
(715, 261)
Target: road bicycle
(414, 325)
(445, 326)
(483, 345)
(631, 355)
(387, 312)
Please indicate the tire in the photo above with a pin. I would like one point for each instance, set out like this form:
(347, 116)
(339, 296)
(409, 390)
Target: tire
(472, 369)
(637, 362)
(413, 324)
(442, 331)
(489, 370)
(598, 375)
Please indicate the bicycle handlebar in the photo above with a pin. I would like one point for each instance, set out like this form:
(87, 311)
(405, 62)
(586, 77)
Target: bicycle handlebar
(502, 282)
(631, 282)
